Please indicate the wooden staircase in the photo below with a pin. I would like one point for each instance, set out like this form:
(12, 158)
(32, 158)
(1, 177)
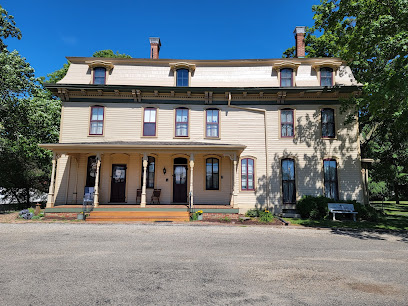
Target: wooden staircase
(138, 216)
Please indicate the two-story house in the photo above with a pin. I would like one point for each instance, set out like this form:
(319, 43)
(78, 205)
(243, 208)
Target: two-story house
(240, 133)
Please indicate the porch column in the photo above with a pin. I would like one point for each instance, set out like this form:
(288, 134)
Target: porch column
(191, 180)
(50, 199)
(98, 166)
(236, 185)
(143, 197)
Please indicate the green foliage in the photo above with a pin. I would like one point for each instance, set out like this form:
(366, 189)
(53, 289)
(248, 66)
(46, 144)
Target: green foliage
(265, 216)
(7, 28)
(110, 53)
(372, 36)
(225, 219)
(28, 116)
(252, 213)
(315, 208)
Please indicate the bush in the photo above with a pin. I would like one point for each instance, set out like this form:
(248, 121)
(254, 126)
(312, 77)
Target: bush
(265, 216)
(252, 213)
(311, 207)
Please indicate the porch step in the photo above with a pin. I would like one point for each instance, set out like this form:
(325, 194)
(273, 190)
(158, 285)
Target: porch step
(146, 216)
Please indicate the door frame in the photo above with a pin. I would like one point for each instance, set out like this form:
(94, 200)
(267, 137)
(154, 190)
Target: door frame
(124, 186)
(173, 183)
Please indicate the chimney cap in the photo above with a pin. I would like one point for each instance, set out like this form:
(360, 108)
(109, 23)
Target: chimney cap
(155, 40)
(299, 30)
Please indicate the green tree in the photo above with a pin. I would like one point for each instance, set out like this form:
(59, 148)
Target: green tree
(59, 74)
(372, 36)
(28, 116)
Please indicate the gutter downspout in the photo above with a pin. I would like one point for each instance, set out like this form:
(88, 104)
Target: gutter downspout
(263, 111)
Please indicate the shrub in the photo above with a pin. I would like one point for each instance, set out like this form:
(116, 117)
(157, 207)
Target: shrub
(265, 216)
(252, 213)
(311, 207)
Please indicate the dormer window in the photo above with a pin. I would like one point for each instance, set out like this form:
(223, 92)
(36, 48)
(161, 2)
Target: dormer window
(182, 77)
(326, 76)
(99, 76)
(182, 73)
(286, 78)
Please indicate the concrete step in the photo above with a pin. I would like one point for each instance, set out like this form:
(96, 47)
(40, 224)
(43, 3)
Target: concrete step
(290, 215)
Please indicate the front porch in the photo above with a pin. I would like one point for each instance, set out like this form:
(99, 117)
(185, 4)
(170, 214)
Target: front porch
(128, 174)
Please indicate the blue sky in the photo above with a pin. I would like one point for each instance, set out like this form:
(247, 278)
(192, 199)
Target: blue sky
(210, 29)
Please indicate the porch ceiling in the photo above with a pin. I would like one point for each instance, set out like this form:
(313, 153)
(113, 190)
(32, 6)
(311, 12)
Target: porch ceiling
(142, 147)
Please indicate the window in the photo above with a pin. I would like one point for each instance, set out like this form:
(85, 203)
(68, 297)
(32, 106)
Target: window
(288, 181)
(212, 123)
(247, 174)
(328, 123)
(149, 172)
(91, 172)
(286, 75)
(330, 179)
(212, 174)
(99, 75)
(181, 122)
(182, 77)
(96, 124)
(326, 77)
(149, 122)
(287, 123)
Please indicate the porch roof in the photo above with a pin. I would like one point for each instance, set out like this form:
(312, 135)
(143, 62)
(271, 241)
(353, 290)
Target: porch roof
(142, 146)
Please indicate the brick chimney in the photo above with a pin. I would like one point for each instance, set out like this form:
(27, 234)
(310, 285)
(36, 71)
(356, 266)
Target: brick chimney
(300, 41)
(154, 47)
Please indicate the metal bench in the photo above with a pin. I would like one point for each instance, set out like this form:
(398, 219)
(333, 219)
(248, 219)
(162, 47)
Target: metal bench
(342, 208)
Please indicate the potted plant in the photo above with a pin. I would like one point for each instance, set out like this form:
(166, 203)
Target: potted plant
(81, 216)
(199, 214)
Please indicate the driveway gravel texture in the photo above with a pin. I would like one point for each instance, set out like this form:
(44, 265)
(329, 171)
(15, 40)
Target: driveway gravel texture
(169, 264)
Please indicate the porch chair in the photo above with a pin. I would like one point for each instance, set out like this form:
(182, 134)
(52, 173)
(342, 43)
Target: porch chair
(155, 196)
(138, 195)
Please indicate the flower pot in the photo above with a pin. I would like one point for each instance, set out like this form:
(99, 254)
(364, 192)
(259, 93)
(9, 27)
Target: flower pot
(80, 217)
(200, 217)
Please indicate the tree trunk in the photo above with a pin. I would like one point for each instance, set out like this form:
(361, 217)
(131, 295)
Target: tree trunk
(396, 191)
(28, 196)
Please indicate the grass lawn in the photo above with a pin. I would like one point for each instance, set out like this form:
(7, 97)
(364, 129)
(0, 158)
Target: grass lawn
(395, 218)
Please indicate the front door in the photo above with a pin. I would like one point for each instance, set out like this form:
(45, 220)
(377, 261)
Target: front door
(180, 184)
(118, 185)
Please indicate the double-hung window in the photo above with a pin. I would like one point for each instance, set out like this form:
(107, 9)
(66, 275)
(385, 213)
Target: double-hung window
(247, 174)
(288, 181)
(99, 75)
(330, 179)
(182, 77)
(96, 124)
(286, 77)
(287, 123)
(212, 174)
(149, 172)
(181, 122)
(328, 126)
(149, 122)
(212, 123)
(326, 77)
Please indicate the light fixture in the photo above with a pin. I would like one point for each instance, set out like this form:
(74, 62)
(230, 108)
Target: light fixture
(164, 170)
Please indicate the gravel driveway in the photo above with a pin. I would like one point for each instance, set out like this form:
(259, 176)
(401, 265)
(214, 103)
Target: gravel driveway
(123, 264)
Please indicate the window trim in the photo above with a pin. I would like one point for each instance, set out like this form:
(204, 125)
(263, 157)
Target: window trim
(254, 174)
(188, 76)
(218, 173)
(143, 122)
(293, 123)
(334, 123)
(188, 123)
(182, 65)
(332, 75)
(93, 74)
(294, 180)
(337, 176)
(218, 124)
(292, 79)
(147, 172)
(90, 121)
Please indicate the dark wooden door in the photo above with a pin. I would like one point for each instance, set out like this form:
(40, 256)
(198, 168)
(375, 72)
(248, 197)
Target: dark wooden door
(118, 185)
(180, 184)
